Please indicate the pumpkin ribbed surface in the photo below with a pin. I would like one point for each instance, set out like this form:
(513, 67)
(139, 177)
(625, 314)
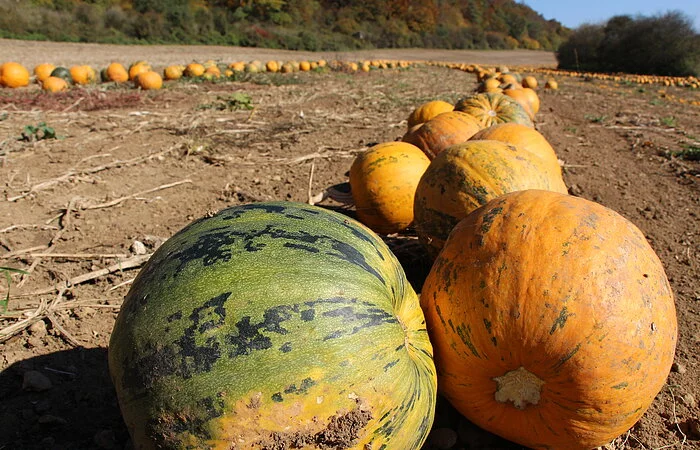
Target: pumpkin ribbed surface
(442, 131)
(54, 84)
(273, 325)
(553, 322)
(492, 108)
(383, 180)
(466, 176)
(43, 71)
(149, 80)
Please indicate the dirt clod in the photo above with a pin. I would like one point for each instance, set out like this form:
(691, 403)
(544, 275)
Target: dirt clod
(35, 381)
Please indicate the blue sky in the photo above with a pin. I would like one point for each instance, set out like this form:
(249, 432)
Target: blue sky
(574, 13)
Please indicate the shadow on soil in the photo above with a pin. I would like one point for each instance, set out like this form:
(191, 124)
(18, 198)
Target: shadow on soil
(62, 400)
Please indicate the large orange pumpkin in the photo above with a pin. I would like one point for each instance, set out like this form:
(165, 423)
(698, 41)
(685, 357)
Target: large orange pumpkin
(492, 108)
(13, 75)
(466, 176)
(443, 130)
(552, 320)
(427, 111)
(525, 138)
(383, 181)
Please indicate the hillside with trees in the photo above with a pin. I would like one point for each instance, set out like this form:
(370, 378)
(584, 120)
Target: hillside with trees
(287, 24)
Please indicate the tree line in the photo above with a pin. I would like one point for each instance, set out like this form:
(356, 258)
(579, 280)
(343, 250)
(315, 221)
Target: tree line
(313, 25)
(665, 44)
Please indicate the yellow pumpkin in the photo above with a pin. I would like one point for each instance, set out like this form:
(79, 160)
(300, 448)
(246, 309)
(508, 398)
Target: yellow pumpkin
(427, 111)
(172, 72)
(530, 82)
(493, 108)
(194, 70)
(383, 182)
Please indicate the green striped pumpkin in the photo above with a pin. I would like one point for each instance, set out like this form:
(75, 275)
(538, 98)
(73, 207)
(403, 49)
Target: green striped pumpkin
(273, 325)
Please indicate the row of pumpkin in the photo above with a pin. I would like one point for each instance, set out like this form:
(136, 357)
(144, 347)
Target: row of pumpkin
(284, 325)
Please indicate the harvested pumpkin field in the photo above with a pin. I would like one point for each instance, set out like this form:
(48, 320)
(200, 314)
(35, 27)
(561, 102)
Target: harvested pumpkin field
(94, 179)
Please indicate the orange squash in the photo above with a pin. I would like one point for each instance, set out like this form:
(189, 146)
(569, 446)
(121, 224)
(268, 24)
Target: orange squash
(523, 99)
(54, 84)
(194, 70)
(43, 71)
(427, 111)
(137, 68)
(13, 75)
(465, 176)
(551, 83)
(117, 73)
(493, 108)
(525, 138)
(443, 130)
(82, 74)
(529, 82)
(149, 80)
(173, 72)
(383, 182)
(552, 320)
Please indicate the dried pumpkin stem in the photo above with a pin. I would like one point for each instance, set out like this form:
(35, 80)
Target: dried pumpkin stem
(520, 387)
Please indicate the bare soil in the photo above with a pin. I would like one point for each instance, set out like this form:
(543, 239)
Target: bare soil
(128, 169)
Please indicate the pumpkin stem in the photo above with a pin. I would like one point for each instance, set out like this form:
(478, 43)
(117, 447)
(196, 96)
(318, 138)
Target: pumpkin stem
(520, 387)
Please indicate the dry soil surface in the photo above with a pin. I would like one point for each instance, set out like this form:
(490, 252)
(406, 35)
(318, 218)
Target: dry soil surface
(129, 168)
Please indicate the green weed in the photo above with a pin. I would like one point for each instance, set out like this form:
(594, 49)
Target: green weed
(595, 119)
(233, 102)
(690, 153)
(39, 132)
(669, 121)
(8, 271)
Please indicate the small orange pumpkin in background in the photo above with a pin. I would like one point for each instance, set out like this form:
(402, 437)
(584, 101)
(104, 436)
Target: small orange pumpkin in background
(552, 320)
(54, 84)
(383, 182)
(525, 138)
(551, 83)
(149, 80)
(465, 176)
(13, 75)
(442, 131)
(117, 73)
(529, 82)
(43, 71)
(194, 70)
(137, 68)
(526, 97)
(491, 84)
(173, 72)
(492, 108)
(427, 111)
(81, 74)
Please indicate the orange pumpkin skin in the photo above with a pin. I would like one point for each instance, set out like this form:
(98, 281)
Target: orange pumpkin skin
(149, 80)
(491, 108)
(43, 71)
(427, 111)
(525, 138)
(442, 131)
(523, 99)
(565, 296)
(54, 84)
(383, 182)
(117, 73)
(530, 82)
(13, 75)
(465, 177)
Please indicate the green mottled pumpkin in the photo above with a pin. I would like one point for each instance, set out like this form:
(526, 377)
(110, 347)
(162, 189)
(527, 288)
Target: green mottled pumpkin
(62, 72)
(273, 325)
(491, 108)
